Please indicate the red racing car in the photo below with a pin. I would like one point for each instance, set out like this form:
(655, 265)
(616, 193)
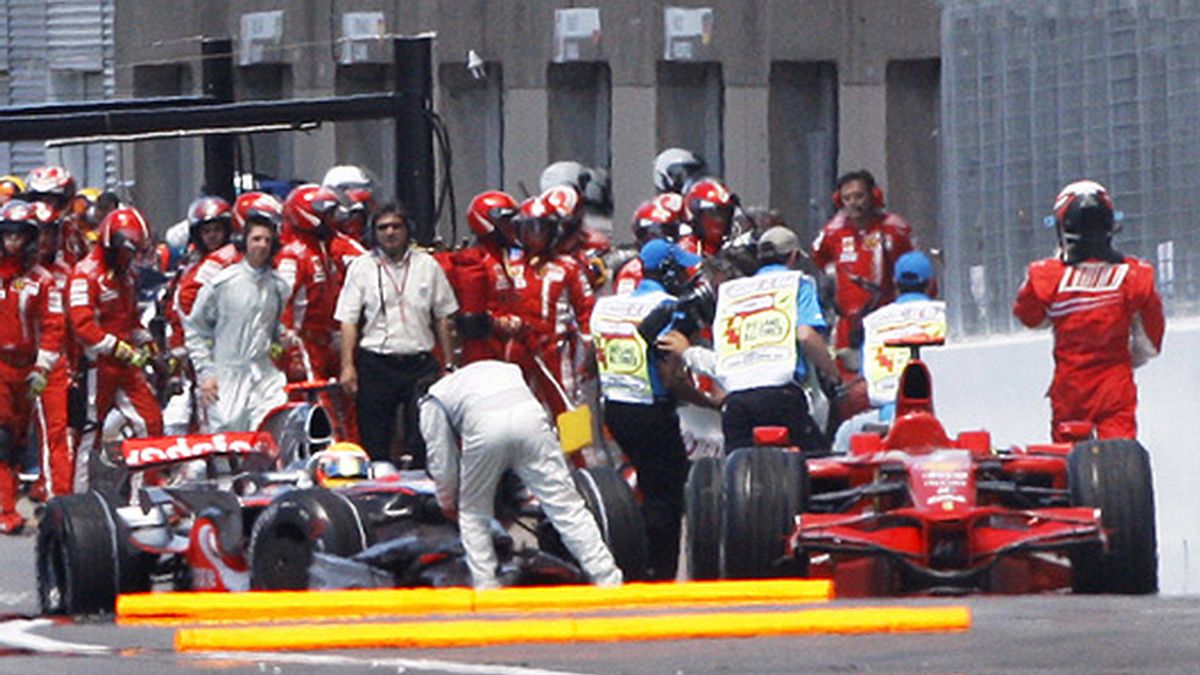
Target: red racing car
(911, 510)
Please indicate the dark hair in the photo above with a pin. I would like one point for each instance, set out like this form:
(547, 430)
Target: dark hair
(108, 200)
(391, 209)
(860, 175)
(913, 286)
(259, 222)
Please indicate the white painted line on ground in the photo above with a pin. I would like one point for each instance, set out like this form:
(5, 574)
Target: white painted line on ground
(14, 635)
(401, 665)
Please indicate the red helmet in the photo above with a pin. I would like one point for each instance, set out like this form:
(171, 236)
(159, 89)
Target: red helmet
(491, 211)
(125, 230)
(658, 218)
(708, 207)
(257, 205)
(354, 210)
(537, 225)
(310, 208)
(565, 204)
(19, 216)
(1084, 209)
(208, 210)
(52, 183)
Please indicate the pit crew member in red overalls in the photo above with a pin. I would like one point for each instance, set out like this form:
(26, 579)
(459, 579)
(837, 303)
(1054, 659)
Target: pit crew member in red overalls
(858, 248)
(30, 337)
(54, 409)
(1106, 314)
(554, 305)
(306, 264)
(103, 312)
(479, 276)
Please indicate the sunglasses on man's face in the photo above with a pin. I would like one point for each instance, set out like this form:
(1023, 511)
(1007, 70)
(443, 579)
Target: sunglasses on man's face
(391, 225)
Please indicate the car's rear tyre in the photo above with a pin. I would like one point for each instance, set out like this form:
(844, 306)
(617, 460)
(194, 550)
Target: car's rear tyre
(763, 493)
(612, 503)
(83, 558)
(296, 525)
(705, 501)
(1115, 477)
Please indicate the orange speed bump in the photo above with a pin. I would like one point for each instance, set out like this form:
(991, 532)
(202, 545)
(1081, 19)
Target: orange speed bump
(477, 632)
(290, 605)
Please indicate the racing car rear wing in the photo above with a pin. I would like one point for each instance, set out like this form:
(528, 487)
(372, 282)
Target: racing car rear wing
(140, 453)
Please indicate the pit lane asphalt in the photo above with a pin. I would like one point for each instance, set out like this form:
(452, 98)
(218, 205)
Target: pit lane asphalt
(1010, 634)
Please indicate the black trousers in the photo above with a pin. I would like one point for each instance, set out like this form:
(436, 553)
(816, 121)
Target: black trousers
(649, 435)
(384, 384)
(782, 406)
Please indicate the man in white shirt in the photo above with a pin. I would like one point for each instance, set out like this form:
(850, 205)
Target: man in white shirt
(489, 410)
(395, 306)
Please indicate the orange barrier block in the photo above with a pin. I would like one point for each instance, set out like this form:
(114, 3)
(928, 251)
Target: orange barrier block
(285, 605)
(145, 608)
(476, 633)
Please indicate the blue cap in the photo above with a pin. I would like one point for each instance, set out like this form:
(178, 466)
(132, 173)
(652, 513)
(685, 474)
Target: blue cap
(913, 268)
(656, 251)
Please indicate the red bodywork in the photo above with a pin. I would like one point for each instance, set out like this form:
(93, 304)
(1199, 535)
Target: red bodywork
(917, 511)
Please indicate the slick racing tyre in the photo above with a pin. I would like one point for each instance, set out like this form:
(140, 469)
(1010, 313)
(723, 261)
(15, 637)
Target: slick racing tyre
(84, 559)
(1114, 476)
(612, 504)
(763, 493)
(293, 528)
(705, 501)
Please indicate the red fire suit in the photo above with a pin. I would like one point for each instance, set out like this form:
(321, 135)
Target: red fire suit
(310, 271)
(103, 311)
(553, 305)
(57, 354)
(29, 335)
(343, 249)
(475, 275)
(1107, 319)
(861, 260)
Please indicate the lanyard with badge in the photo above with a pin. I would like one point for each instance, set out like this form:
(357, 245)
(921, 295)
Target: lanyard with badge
(398, 289)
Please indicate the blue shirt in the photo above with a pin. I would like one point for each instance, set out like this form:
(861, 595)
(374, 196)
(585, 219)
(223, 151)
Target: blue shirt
(808, 310)
(646, 287)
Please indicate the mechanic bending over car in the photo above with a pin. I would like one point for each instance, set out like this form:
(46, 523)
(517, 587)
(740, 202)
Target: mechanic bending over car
(233, 333)
(763, 356)
(1106, 314)
(641, 386)
(395, 303)
(913, 310)
(480, 421)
